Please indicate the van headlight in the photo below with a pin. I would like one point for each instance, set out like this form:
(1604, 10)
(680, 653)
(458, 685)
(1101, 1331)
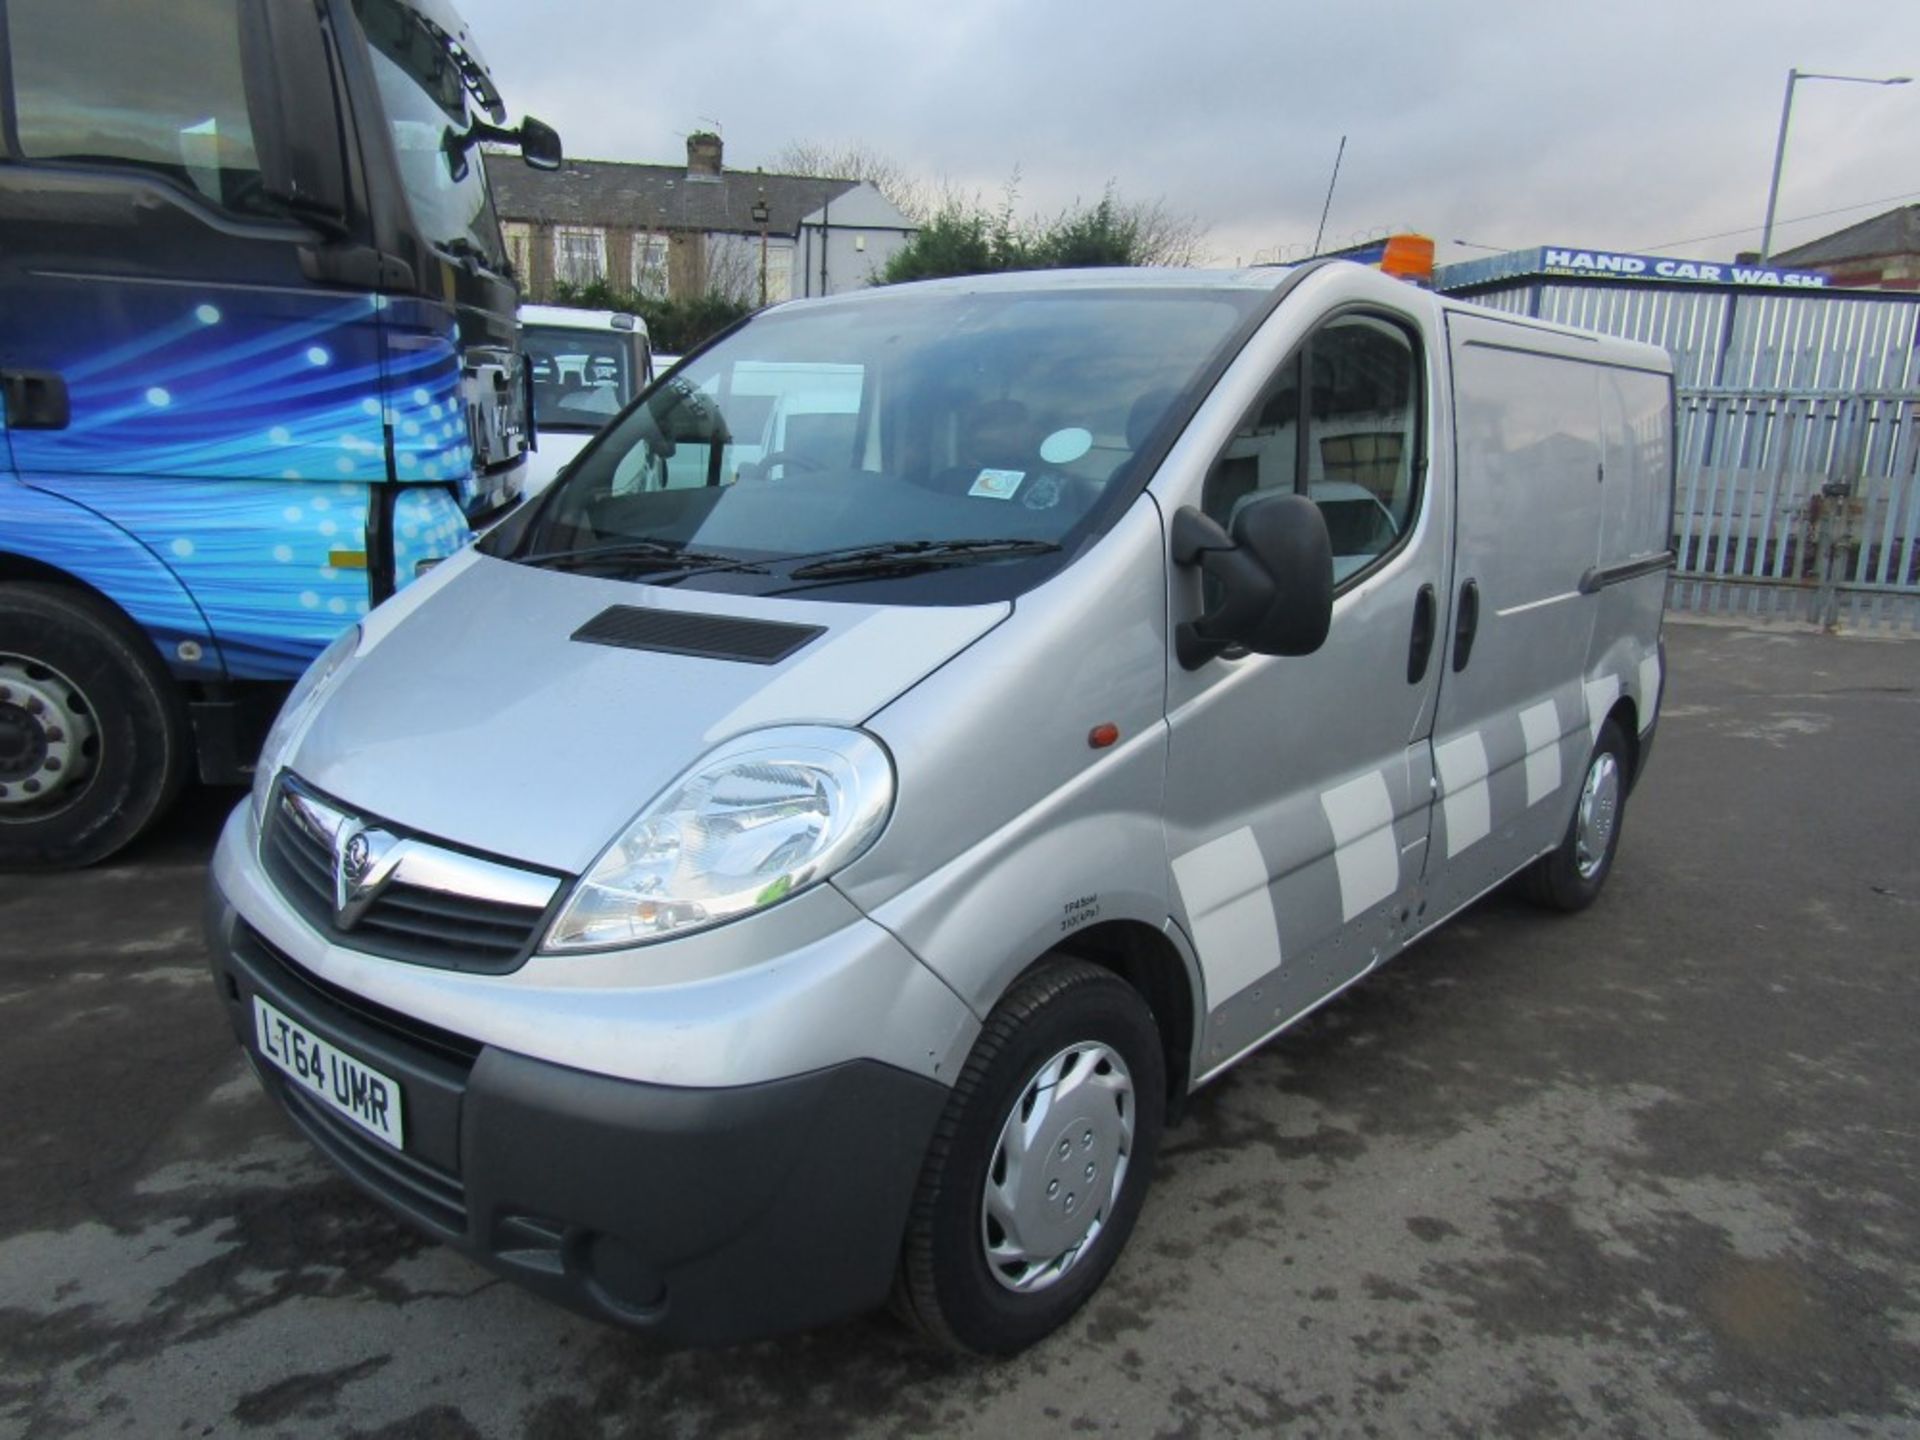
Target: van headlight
(759, 819)
(305, 697)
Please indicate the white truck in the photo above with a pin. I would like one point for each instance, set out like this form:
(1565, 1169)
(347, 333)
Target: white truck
(585, 366)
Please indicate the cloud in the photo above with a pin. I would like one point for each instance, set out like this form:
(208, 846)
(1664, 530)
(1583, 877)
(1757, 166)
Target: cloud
(1625, 124)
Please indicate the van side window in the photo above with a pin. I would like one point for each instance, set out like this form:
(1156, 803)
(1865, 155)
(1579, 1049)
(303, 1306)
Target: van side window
(1360, 437)
(155, 87)
(1263, 457)
(1346, 439)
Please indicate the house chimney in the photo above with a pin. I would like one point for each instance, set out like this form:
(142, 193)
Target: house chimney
(703, 153)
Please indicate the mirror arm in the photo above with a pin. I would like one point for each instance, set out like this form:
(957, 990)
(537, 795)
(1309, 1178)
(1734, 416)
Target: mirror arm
(458, 142)
(1246, 590)
(461, 141)
(1196, 534)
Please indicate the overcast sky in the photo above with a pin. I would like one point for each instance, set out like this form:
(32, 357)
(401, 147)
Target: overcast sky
(1624, 124)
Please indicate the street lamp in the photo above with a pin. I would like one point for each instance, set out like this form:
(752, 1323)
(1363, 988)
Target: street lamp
(1780, 147)
(759, 213)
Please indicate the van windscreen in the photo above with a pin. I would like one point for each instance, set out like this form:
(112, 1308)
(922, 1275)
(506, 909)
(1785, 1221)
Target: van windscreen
(908, 427)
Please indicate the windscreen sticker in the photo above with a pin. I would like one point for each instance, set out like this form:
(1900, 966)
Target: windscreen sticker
(1063, 447)
(997, 484)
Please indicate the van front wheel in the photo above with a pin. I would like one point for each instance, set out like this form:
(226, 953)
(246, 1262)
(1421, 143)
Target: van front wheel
(1039, 1165)
(1571, 876)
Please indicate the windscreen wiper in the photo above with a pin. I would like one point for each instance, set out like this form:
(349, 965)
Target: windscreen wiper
(672, 556)
(905, 556)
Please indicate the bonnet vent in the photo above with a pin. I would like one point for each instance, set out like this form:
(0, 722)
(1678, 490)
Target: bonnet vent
(711, 637)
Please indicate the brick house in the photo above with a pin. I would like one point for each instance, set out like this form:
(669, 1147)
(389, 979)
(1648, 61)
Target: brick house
(667, 231)
(1882, 253)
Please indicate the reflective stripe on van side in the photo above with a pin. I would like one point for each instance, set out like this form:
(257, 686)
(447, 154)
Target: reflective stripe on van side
(1223, 885)
(1368, 860)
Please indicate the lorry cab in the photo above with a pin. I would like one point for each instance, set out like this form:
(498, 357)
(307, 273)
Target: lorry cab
(258, 368)
(585, 366)
(990, 709)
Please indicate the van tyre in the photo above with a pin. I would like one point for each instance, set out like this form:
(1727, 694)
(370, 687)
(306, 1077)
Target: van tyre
(1039, 1164)
(1571, 876)
(92, 735)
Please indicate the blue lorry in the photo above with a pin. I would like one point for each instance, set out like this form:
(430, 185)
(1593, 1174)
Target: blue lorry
(258, 369)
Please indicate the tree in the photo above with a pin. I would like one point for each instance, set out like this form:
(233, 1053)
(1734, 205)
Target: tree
(960, 235)
(909, 194)
(673, 325)
(1162, 237)
(965, 238)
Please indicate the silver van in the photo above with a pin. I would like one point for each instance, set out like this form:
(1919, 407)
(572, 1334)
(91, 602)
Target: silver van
(806, 856)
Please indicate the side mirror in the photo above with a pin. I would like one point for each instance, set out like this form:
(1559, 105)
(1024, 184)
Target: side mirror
(540, 144)
(1273, 578)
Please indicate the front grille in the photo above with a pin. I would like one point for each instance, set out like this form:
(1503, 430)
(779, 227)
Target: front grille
(405, 1181)
(323, 996)
(404, 921)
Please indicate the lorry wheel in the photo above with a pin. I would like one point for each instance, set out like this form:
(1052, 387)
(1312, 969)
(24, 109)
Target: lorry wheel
(92, 738)
(1039, 1164)
(1571, 876)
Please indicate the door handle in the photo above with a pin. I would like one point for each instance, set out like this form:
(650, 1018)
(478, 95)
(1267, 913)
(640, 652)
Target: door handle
(35, 400)
(1421, 646)
(1466, 620)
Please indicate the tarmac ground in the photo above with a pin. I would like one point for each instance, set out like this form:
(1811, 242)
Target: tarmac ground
(1651, 1170)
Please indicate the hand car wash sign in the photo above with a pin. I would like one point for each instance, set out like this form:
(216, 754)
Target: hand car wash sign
(1556, 261)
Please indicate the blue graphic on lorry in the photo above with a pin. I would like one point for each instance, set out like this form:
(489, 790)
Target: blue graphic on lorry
(265, 563)
(198, 394)
(224, 469)
(427, 525)
(69, 536)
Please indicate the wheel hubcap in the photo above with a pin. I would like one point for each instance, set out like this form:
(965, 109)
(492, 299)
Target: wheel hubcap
(1058, 1167)
(1599, 812)
(48, 737)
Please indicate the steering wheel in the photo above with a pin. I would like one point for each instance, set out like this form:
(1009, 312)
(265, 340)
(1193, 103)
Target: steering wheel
(787, 460)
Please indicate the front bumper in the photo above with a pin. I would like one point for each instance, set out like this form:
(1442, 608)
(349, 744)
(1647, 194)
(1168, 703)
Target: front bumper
(706, 1215)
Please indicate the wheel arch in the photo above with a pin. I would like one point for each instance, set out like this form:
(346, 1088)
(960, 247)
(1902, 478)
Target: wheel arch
(51, 540)
(1149, 961)
(1626, 715)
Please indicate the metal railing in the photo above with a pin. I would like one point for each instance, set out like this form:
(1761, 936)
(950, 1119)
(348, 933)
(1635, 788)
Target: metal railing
(1799, 505)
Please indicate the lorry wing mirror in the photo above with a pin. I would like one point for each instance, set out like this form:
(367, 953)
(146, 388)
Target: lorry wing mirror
(297, 119)
(1272, 590)
(540, 144)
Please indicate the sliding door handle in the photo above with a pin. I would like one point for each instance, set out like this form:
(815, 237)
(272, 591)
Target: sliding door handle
(1421, 646)
(1466, 620)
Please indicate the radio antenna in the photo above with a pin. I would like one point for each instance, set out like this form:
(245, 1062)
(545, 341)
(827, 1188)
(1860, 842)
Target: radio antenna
(1324, 209)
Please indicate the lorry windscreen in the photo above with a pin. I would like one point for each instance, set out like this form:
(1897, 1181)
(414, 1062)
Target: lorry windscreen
(990, 431)
(157, 88)
(425, 97)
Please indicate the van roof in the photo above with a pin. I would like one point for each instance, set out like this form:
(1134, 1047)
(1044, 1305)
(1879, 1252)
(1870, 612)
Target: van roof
(1609, 349)
(1109, 277)
(1605, 348)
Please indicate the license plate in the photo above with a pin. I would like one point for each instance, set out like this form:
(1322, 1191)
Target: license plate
(359, 1092)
